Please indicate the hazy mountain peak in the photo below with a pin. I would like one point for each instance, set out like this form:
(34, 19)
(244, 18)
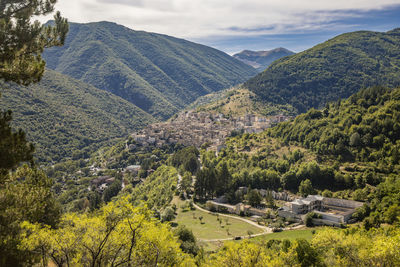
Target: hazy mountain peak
(262, 59)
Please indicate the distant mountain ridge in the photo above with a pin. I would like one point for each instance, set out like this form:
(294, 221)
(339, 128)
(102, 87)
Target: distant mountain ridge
(158, 73)
(331, 70)
(262, 59)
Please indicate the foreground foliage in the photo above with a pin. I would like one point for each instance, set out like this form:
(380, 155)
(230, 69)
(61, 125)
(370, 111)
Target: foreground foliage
(329, 247)
(25, 195)
(116, 235)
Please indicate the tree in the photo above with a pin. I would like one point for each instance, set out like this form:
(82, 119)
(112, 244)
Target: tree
(392, 214)
(223, 179)
(168, 214)
(289, 180)
(186, 182)
(306, 188)
(112, 190)
(24, 194)
(191, 164)
(355, 139)
(22, 40)
(269, 199)
(306, 254)
(309, 219)
(254, 197)
(13, 146)
(250, 233)
(187, 240)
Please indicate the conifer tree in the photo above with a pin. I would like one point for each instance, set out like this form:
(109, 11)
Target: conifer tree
(22, 41)
(25, 195)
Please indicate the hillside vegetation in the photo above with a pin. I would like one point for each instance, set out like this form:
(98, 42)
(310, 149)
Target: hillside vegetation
(66, 118)
(158, 189)
(332, 70)
(239, 101)
(158, 73)
(364, 128)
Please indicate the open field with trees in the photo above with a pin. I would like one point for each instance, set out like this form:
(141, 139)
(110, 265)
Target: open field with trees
(208, 226)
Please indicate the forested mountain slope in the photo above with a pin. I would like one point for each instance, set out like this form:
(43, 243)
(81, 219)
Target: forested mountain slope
(364, 128)
(62, 115)
(262, 59)
(158, 73)
(351, 149)
(332, 70)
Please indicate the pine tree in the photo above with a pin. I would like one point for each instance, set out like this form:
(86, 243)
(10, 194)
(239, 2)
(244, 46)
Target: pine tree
(25, 194)
(22, 41)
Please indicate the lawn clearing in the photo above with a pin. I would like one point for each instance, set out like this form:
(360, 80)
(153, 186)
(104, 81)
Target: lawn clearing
(212, 226)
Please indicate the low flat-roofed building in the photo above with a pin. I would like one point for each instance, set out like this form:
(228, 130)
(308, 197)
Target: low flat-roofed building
(331, 211)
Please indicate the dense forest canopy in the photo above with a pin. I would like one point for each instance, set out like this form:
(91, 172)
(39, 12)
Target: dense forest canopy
(65, 118)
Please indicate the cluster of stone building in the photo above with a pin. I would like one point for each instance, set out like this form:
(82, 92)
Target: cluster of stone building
(196, 128)
(330, 211)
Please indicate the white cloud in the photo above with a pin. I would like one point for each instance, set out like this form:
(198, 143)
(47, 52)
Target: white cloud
(205, 18)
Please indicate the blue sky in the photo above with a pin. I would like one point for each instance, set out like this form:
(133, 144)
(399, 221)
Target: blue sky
(372, 20)
(235, 25)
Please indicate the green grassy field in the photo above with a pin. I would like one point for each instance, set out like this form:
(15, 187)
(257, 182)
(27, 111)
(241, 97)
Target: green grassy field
(289, 234)
(209, 227)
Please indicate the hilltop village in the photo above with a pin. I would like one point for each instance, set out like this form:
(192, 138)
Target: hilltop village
(197, 128)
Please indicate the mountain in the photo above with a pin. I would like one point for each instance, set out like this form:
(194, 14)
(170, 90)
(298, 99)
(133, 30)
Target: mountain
(158, 73)
(64, 117)
(262, 59)
(332, 70)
